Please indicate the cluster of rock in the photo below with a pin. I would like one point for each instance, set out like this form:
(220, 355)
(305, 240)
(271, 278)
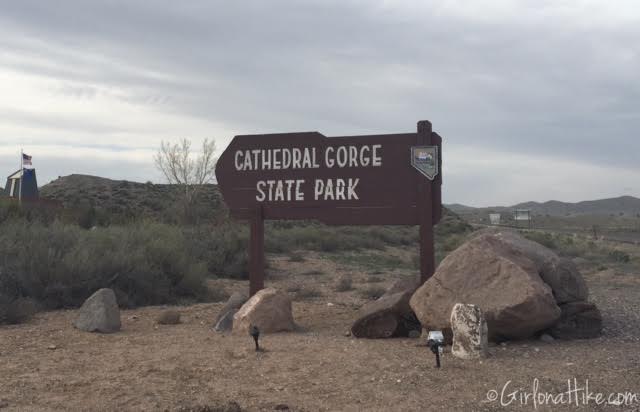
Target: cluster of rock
(496, 286)
(521, 288)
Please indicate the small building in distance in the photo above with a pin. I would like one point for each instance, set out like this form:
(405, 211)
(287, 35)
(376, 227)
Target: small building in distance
(524, 216)
(29, 185)
(494, 218)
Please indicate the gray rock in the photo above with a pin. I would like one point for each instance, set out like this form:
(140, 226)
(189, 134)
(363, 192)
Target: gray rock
(546, 338)
(405, 284)
(225, 323)
(99, 313)
(562, 275)
(169, 317)
(414, 334)
(579, 320)
(224, 320)
(389, 316)
(470, 333)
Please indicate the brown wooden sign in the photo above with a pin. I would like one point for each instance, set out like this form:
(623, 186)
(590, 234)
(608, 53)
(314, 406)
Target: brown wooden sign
(391, 179)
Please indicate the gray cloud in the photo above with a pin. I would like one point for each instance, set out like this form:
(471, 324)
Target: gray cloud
(549, 81)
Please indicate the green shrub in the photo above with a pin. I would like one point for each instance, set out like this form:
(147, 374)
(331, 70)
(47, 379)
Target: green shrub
(15, 310)
(223, 247)
(308, 293)
(619, 256)
(344, 284)
(296, 257)
(544, 238)
(372, 292)
(61, 265)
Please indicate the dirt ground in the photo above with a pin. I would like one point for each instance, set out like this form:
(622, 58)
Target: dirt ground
(48, 365)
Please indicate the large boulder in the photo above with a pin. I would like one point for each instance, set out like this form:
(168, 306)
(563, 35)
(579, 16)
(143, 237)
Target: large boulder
(224, 320)
(562, 275)
(470, 332)
(269, 310)
(502, 281)
(99, 313)
(390, 315)
(386, 317)
(579, 320)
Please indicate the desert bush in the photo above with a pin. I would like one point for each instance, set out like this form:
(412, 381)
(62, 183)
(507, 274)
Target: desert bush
(15, 310)
(296, 257)
(344, 284)
(619, 256)
(544, 238)
(372, 292)
(308, 293)
(294, 289)
(223, 247)
(374, 279)
(61, 265)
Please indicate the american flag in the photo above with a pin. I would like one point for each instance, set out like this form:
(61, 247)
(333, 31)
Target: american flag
(26, 160)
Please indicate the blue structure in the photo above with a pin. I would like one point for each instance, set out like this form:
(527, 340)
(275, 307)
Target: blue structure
(29, 185)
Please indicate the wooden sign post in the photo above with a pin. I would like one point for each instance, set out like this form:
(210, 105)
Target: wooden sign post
(392, 179)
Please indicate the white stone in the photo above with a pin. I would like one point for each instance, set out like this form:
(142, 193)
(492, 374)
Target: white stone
(470, 333)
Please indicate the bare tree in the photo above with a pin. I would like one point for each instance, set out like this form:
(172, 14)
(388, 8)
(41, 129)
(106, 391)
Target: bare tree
(179, 166)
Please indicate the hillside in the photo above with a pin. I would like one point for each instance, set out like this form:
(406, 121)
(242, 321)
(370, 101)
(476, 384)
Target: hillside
(623, 205)
(125, 198)
(619, 206)
(154, 201)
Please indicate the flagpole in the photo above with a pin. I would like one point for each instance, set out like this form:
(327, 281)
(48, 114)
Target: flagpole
(21, 170)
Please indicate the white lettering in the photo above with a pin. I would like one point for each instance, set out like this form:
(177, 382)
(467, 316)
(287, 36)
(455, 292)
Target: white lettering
(377, 160)
(328, 161)
(238, 164)
(364, 160)
(351, 191)
(341, 156)
(259, 186)
(299, 192)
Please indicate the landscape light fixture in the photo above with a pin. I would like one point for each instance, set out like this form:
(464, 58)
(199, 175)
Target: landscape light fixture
(255, 333)
(435, 341)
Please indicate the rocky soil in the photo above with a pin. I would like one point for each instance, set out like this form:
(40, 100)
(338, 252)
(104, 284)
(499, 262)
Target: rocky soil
(47, 364)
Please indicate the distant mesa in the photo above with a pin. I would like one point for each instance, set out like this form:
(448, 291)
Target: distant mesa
(623, 205)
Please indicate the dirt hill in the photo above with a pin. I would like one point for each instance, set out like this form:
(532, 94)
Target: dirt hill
(122, 197)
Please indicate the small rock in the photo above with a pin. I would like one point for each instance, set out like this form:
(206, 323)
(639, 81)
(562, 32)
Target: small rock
(414, 334)
(52, 347)
(282, 407)
(347, 333)
(169, 317)
(546, 338)
(329, 304)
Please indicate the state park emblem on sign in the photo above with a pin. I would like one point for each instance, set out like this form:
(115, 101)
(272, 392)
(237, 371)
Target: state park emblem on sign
(425, 160)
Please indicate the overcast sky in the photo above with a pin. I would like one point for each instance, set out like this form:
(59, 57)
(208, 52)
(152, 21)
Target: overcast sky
(535, 100)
